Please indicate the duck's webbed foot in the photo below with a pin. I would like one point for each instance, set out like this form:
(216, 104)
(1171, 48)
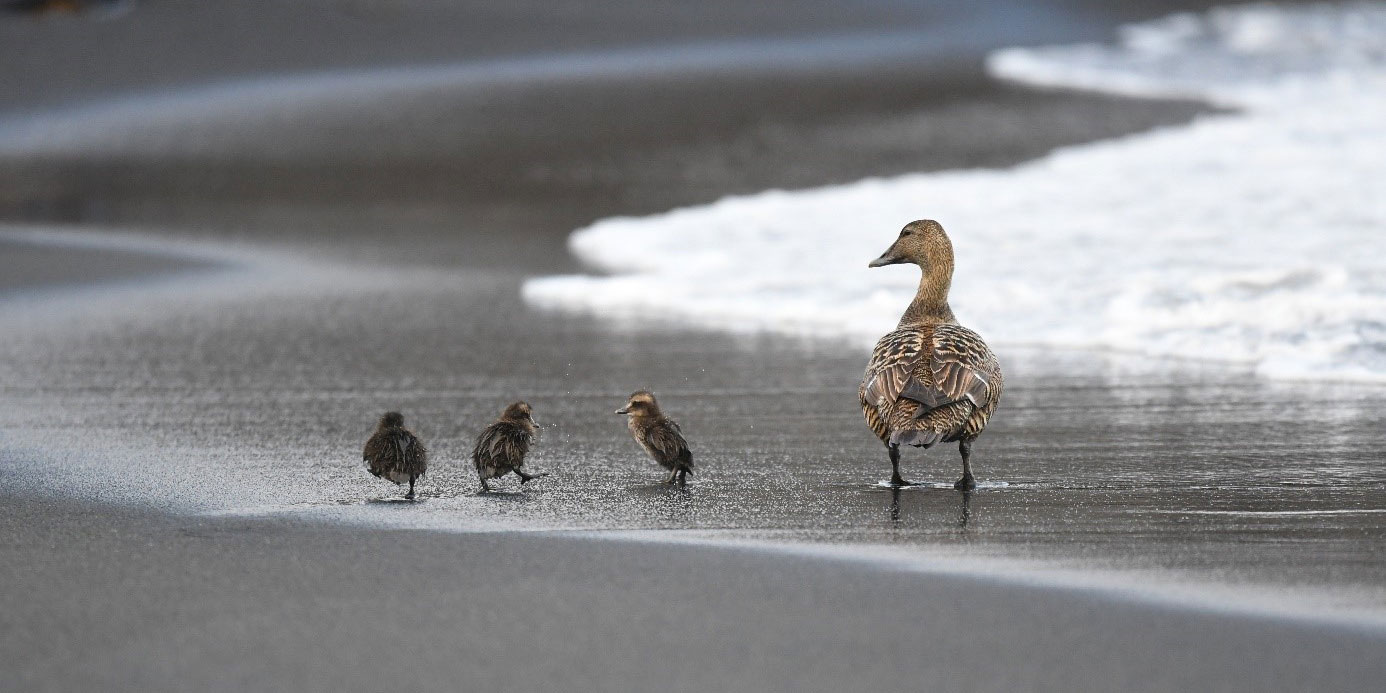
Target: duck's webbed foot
(966, 483)
(485, 487)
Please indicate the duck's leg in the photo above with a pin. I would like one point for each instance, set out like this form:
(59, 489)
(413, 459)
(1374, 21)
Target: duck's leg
(485, 487)
(895, 478)
(966, 483)
(673, 475)
(683, 477)
(410, 495)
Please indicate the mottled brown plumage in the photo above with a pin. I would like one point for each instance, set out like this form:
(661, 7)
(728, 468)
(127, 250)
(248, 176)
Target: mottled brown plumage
(930, 380)
(501, 448)
(394, 453)
(658, 435)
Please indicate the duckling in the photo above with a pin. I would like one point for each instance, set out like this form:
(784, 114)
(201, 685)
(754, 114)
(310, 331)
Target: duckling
(930, 380)
(394, 453)
(658, 435)
(501, 448)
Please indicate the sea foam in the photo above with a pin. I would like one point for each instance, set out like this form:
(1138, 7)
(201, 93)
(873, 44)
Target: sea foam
(1254, 236)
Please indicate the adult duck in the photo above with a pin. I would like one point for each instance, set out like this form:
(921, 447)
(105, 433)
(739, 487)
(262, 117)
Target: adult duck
(930, 380)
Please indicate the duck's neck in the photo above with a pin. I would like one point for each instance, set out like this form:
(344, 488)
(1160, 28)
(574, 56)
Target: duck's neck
(930, 304)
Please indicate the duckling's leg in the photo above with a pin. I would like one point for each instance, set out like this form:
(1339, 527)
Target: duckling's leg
(485, 487)
(673, 474)
(895, 478)
(683, 477)
(966, 483)
(410, 495)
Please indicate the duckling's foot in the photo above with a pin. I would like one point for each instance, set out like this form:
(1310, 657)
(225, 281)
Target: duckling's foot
(899, 482)
(409, 496)
(967, 483)
(526, 478)
(485, 487)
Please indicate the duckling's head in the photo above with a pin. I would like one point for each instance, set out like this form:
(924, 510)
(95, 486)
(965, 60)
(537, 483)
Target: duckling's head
(641, 403)
(392, 419)
(920, 243)
(519, 412)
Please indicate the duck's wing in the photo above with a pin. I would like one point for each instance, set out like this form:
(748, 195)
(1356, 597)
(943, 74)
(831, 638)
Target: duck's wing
(666, 438)
(508, 444)
(378, 453)
(410, 449)
(892, 367)
(488, 446)
(413, 454)
(960, 367)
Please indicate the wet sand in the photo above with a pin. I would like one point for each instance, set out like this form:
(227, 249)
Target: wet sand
(186, 509)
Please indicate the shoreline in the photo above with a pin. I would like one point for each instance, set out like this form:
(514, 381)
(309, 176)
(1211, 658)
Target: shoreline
(346, 502)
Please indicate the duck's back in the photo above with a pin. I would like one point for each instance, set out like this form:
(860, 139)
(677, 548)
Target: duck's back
(663, 440)
(501, 448)
(929, 383)
(395, 453)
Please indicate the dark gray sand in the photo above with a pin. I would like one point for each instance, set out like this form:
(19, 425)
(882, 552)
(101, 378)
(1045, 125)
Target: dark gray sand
(27, 265)
(154, 602)
(446, 169)
(186, 508)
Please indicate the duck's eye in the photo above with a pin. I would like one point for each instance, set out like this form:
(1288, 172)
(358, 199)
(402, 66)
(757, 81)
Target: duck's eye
(904, 233)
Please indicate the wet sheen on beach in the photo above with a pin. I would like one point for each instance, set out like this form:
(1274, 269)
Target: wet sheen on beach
(1155, 470)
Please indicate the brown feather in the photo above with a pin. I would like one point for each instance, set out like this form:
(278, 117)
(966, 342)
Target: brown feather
(395, 451)
(501, 449)
(657, 434)
(663, 441)
(930, 380)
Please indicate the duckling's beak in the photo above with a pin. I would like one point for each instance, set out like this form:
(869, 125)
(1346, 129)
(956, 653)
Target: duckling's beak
(623, 410)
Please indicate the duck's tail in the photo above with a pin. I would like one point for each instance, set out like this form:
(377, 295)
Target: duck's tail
(916, 437)
(940, 424)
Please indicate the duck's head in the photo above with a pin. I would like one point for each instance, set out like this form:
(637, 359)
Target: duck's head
(641, 403)
(920, 243)
(392, 419)
(519, 412)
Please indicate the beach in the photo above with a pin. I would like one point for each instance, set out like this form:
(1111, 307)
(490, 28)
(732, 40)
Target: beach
(207, 309)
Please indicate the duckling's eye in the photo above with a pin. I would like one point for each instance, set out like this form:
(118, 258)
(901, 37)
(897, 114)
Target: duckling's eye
(904, 233)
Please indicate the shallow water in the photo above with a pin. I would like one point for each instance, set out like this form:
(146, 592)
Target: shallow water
(254, 396)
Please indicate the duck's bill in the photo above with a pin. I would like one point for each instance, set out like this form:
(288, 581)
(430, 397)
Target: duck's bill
(884, 260)
(623, 411)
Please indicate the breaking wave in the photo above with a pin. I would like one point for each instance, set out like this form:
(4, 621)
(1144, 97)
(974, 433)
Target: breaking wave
(1254, 236)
